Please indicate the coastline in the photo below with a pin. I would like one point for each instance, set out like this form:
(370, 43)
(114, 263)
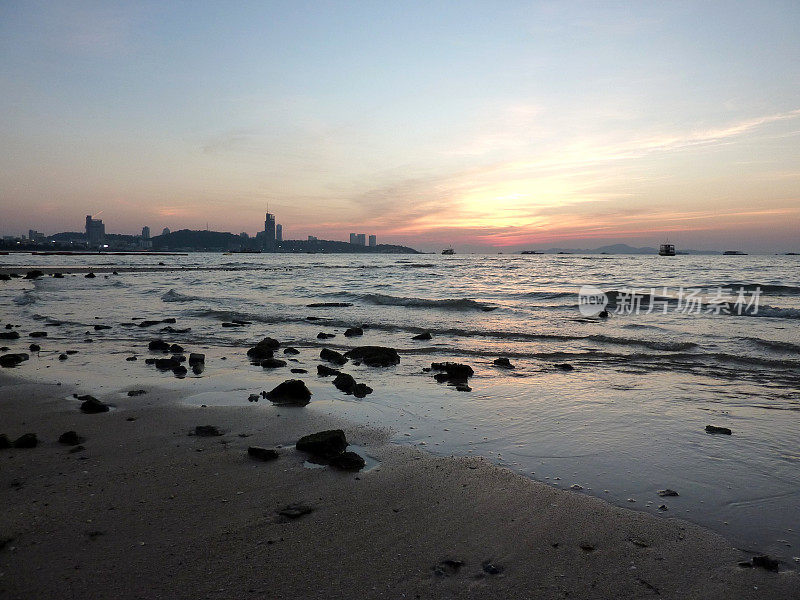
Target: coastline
(147, 510)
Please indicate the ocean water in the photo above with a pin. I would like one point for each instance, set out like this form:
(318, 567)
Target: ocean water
(628, 420)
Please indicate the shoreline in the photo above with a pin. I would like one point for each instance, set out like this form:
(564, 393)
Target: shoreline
(148, 510)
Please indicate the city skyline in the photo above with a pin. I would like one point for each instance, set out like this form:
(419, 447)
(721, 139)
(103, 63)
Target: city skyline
(482, 126)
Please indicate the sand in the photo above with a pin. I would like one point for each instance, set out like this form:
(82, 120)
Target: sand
(148, 511)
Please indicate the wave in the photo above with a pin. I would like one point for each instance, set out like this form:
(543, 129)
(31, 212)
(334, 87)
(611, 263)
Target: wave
(652, 344)
(766, 288)
(173, 296)
(410, 301)
(27, 298)
(774, 344)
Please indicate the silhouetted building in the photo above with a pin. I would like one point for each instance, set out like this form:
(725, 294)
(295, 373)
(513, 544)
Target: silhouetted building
(35, 236)
(361, 239)
(278, 232)
(244, 235)
(95, 231)
(373, 241)
(353, 238)
(145, 233)
(165, 231)
(312, 238)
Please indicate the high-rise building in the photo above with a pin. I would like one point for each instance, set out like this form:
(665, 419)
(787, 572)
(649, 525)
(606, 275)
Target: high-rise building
(353, 238)
(278, 232)
(165, 231)
(361, 239)
(269, 231)
(95, 231)
(373, 241)
(35, 236)
(145, 233)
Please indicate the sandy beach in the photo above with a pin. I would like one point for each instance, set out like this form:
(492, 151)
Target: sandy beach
(147, 510)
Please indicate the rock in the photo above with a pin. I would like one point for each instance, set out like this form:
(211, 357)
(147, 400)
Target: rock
(133, 393)
(325, 444)
(263, 349)
(273, 363)
(463, 387)
(448, 567)
(361, 390)
(295, 511)
(179, 371)
(166, 364)
(171, 320)
(261, 453)
(347, 461)
(325, 370)
(291, 350)
(101, 327)
(269, 343)
(5, 443)
(374, 356)
(4, 277)
(149, 323)
(490, 568)
(70, 438)
(564, 367)
(90, 275)
(345, 383)
(207, 431)
(503, 363)
(158, 346)
(35, 274)
(58, 276)
(170, 329)
(332, 356)
(603, 314)
(131, 359)
(38, 334)
(292, 392)
(663, 508)
(720, 430)
(253, 398)
(149, 361)
(353, 331)
(329, 304)
(34, 347)
(9, 335)
(196, 358)
(226, 324)
(63, 356)
(176, 348)
(325, 336)
(423, 336)
(12, 360)
(764, 561)
(92, 405)
(298, 371)
(71, 352)
(27, 440)
(198, 368)
(454, 372)
(313, 318)
(667, 493)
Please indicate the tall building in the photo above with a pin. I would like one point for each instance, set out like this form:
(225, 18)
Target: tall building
(145, 233)
(353, 238)
(165, 231)
(361, 239)
(95, 231)
(278, 232)
(373, 241)
(269, 232)
(35, 236)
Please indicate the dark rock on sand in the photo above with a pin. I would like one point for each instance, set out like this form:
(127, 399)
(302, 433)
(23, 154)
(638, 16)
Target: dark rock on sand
(347, 461)
(353, 331)
(325, 444)
(463, 387)
(70, 438)
(34, 347)
(27, 440)
(133, 393)
(452, 371)
(71, 352)
(35, 274)
(207, 431)
(298, 371)
(764, 561)
(423, 336)
(295, 511)
(179, 371)
(720, 430)
(131, 359)
(291, 350)
(325, 370)
(329, 304)
(38, 334)
(374, 356)
(9, 335)
(273, 363)
(292, 392)
(198, 368)
(263, 349)
(503, 363)
(92, 405)
(195, 358)
(101, 327)
(166, 364)
(668, 493)
(361, 390)
(90, 275)
(261, 453)
(344, 383)
(12, 360)
(332, 356)
(564, 367)
(63, 356)
(603, 314)
(4, 277)
(158, 346)
(175, 348)
(325, 336)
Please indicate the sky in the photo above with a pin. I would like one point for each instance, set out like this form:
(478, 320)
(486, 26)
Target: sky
(495, 126)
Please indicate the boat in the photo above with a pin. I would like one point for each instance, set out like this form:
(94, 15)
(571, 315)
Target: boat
(448, 251)
(666, 250)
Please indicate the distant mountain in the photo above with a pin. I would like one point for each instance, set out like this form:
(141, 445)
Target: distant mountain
(187, 239)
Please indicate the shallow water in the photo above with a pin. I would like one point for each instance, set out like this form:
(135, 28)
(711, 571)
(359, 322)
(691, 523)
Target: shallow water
(627, 421)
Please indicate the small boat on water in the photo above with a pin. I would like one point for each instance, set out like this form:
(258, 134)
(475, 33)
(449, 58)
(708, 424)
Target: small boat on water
(448, 251)
(666, 250)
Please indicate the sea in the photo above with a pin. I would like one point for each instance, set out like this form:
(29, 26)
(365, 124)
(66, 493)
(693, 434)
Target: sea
(614, 405)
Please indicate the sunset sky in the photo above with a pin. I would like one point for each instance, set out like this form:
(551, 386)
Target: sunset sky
(494, 125)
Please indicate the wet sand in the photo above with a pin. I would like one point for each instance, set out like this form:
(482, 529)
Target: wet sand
(147, 510)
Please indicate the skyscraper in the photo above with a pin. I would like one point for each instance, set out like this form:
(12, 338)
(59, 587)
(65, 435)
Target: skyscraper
(361, 239)
(373, 241)
(95, 231)
(145, 233)
(353, 238)
(278, 232)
